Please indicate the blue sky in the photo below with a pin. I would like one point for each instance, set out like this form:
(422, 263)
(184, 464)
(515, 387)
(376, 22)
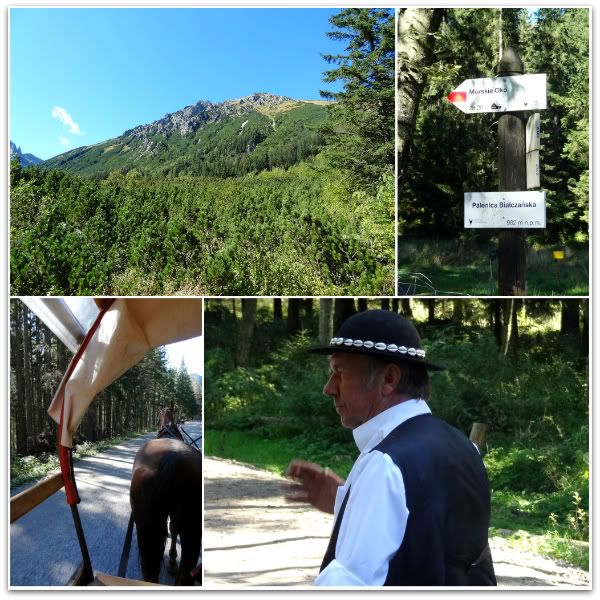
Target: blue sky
(81, 76)
(192, 351)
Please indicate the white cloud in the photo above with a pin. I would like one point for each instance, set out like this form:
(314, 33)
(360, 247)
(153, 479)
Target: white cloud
(60, 113)
(65, 141)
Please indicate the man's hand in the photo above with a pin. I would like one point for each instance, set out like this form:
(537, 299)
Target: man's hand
(313, 484)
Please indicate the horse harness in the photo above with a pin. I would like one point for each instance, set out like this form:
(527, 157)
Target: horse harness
(170, 430)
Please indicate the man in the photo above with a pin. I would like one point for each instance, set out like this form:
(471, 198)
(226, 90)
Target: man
(415, 507)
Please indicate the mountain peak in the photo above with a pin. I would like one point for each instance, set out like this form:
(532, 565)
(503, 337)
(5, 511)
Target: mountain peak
(263, 100)
(211, 138)
(203, 112)
(25, 159)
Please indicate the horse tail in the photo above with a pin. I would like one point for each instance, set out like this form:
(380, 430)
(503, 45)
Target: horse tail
(151, 488)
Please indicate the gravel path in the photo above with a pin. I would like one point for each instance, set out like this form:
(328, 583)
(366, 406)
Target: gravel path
(252, 537)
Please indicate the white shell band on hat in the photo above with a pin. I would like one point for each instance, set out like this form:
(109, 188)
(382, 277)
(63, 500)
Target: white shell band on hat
(382, 346)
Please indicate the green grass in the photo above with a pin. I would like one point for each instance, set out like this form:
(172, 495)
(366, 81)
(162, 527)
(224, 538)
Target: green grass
(24, 469)
(529, 523)
(551, 544)
(455, 267)
(274, 455)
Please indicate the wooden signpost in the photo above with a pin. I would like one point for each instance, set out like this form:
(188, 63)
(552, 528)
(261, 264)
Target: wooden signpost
(510, 94)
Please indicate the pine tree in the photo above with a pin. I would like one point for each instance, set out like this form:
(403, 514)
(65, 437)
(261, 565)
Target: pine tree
(184, 392)
(361, 130)
(557, 44)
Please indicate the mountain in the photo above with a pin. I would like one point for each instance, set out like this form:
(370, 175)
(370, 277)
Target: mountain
(223, 139)
(25, 159)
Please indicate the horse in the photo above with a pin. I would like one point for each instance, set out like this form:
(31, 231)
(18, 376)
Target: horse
(166, 484)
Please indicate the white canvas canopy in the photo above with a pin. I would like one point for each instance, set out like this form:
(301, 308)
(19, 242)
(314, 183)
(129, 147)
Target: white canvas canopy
(128, 329)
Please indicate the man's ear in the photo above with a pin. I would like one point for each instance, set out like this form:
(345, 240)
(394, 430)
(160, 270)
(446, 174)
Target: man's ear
(391, 378)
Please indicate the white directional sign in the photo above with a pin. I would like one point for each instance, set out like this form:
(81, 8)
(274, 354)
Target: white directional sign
(532, 165)
(505, 210)
(533, 133)
(500, 94)
(532, 149)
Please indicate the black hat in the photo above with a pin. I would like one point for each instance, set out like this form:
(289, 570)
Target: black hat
(379, 333)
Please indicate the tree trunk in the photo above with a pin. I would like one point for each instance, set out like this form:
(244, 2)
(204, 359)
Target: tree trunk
(458, 312)
(585, 331)
(293, 316)
(414, 53)
(277, 309)
(510, 328)
(362, 304)
(569, 316)
(16, 359)
(325, 323)
(343, 308)
(27, 374)
(430, 310)
(246, 330)
(395, 304)
(308, 307)
(407, 308)
(497, 321)
(385, 304)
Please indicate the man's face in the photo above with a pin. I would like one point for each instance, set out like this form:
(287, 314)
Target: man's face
(355, 401)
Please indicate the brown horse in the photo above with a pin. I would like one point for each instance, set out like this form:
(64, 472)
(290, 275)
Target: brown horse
(166, 483)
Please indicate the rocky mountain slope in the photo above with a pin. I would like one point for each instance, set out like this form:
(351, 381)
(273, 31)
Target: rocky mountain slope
(25, 159)
(224, 139)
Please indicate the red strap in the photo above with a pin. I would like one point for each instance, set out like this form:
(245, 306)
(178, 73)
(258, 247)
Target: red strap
(65, 455)
(197, 572)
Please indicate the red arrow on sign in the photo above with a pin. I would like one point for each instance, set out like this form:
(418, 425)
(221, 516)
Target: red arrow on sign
(457, 97)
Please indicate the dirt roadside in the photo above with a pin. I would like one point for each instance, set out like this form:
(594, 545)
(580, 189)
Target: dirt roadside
(252, 537)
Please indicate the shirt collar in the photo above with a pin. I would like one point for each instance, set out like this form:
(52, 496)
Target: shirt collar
(369, 434)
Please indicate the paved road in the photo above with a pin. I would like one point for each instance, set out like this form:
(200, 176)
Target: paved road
(252, 537)
(43, 544)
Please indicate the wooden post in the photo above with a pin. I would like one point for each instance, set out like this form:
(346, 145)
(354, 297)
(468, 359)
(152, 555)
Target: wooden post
(477, 434)
(512, 173)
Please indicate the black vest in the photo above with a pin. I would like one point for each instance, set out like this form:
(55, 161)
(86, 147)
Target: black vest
(448, 498)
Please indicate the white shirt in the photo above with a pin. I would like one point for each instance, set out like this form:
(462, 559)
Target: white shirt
(374, 521)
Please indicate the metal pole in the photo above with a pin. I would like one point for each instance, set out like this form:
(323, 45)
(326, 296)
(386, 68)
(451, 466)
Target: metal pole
(512, 174)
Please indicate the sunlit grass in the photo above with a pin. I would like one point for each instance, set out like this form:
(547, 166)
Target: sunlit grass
(448, 267)
(24, 469)
(274, 455)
